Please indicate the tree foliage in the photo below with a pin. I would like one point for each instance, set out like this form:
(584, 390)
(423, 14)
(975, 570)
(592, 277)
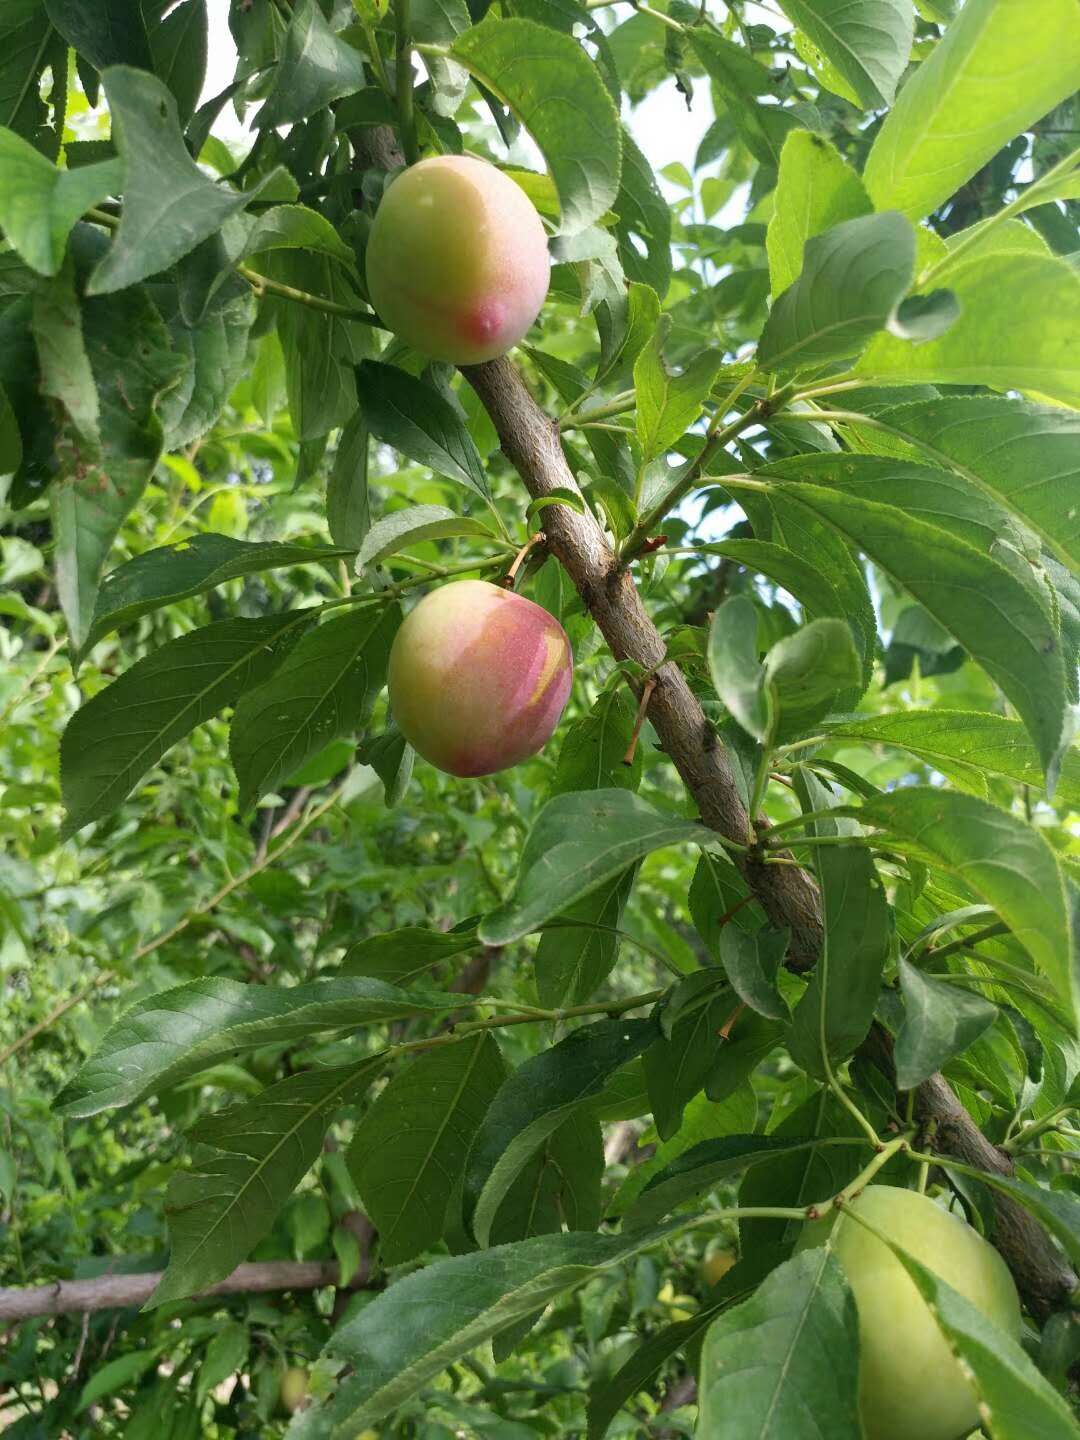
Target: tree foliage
(790, 899)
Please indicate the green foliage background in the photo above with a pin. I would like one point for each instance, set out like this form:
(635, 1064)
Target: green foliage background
(221, 484)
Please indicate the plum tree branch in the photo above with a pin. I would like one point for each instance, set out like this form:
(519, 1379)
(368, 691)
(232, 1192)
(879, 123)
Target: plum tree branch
(116, 1292)
(531, 442)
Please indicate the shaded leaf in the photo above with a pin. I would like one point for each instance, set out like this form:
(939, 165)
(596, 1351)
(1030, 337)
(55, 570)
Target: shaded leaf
(573, 961)
(402, 528)
(815, 190)
(401, 956)
(697, 1170)
(419, 422)
(940, 1021)
(752, 960)
(105, 32)
(316, 66)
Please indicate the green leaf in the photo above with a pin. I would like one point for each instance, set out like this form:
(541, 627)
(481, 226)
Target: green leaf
(419, 422)
(167, 1037)
(576, 843)
(853, 276)
(326, 687)
(573, 960)
(835, 1012)
(134, 368)
(556, 92)
(973, 596)
(1021, 456)
(940, 1021)
(534, 1101)
(66, 375)
(785, 1363)
(176, 572)
(29, 45)
(348, 507)
(402, 528)
(1004, 861)
(295, 227)
(740, 79)
(1019, 314)
(315, 68)
(112, 740)
(815, 190)
(593, 753)
(217, 343)
(10, 439)
(225, 1354)
(734, 665)
(679, 1061)
(408, 1153)
(698, 1170)
(401, 956)
(430, 1319)
(868, 41)
(115, 1375)
(250, 1158)
(808, 672)
(39, 203)
(105, 32)
(170, 205)
(1015, 1401)
(963, 744)
(559, 1186)
(644, 221)
(667, 404)
(993, 74)
(752, 959)
(178, 45)
(1057, 1210)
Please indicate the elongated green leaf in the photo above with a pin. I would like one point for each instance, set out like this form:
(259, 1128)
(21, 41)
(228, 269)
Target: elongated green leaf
(834, 1014)
(810, 673)
(573, 961)
(735, 668)
(348, 508)
(295, 227)
(1015, 1401)
(1003, 860)
(118, 735)
(116, 1374)
(784, 1365)
(421, 423)
(1057, 1210)
(964, 744)
(134, 368)
(106, 32)
(977, 600)
(940, 1021)
(190, 567)
(29, 45)
(667, 404)
(66, 374)
(39, 203)
(679, 1061)
(868, 41)
(576, 843)
(556, 92)
(170, 205)
(177, 1033)
(402, 956)
(535, 1100)
(704, 1119)
(325, 688)
(559, 1186)
(428, 1320)
(644, 221)
(1019, 313)
(740, 79)
(315, 68)
(408, 1153)
(401, 528)
(815, 190)
(992, 75)
(1022, 456)
(752, 959)
(217, 343)
(255, 1155)
(178, 46)
(594, 750)
(853, 275)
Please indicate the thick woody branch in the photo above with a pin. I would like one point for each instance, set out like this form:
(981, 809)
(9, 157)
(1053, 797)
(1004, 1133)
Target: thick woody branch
(116, 1292)
(531, 442)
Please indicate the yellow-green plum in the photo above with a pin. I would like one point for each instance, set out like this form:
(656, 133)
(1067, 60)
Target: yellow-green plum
(910, 1385)
(457, 260)
(478, 677)
(294, 1388)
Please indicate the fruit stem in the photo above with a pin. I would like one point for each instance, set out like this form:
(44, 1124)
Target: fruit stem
(538, 538)
(403, 83)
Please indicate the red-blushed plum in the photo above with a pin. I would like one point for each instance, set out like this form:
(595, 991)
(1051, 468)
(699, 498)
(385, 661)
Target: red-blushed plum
(457, 260)
(910, 1385)
(478, 677)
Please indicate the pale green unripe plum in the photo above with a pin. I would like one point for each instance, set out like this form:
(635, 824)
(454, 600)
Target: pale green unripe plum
(294, 1388)
(457, 259)
(478, 677)
(910, 1385)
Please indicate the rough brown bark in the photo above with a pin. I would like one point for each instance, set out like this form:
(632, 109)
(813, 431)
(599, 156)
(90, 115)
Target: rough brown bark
(114, 1292)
